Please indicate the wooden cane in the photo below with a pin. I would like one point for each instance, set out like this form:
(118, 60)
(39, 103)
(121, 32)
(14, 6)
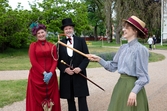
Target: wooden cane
(82, 75)
(72, 49)
(60, 35)
(63, 44)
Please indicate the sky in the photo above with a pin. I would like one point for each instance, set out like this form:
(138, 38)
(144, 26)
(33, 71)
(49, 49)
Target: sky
(24, 3)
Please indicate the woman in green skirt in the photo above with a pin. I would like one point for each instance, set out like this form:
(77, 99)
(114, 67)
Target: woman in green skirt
(131, 61)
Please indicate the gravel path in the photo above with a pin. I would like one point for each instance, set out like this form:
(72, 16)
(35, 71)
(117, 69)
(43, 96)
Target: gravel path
(98, 99)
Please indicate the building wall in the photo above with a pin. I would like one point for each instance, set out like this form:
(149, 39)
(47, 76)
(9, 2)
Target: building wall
(164, 22)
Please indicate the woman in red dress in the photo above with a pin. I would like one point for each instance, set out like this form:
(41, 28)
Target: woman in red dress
(42, 84)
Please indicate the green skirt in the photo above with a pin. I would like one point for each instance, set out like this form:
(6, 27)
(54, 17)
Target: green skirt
(121, 93)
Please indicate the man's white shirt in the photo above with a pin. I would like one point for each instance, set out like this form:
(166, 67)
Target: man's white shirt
(70, 51)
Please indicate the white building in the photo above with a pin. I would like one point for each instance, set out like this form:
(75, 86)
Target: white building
(163, 20)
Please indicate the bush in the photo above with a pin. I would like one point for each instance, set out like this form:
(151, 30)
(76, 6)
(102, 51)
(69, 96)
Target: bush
(107, 56)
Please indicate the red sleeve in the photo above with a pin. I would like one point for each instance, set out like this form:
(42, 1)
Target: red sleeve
(54, 57)
(33, 60)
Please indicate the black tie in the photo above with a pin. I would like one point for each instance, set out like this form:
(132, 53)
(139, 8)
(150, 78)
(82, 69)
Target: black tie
(69, 39)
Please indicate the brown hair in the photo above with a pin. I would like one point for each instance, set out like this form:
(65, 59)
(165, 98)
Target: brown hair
(139, 33)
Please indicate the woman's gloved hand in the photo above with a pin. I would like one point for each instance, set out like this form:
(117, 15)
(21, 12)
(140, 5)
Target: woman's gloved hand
(47, 77)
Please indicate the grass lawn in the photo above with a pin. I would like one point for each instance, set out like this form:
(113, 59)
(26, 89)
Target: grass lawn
(12, 59)
(12, 91)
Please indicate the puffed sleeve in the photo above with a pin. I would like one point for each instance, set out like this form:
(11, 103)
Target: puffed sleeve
(141, 69)
(33, 60)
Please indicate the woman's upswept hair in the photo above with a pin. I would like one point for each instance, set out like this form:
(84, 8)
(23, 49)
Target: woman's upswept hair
(36, 28)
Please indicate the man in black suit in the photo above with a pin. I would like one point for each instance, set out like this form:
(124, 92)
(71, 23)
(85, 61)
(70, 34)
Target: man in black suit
(71, 83)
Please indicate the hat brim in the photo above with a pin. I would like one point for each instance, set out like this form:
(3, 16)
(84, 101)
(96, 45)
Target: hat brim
(62, 27)
(124, 20)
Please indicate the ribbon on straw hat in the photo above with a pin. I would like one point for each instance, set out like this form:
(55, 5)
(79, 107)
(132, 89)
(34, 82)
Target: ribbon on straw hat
(139, 24)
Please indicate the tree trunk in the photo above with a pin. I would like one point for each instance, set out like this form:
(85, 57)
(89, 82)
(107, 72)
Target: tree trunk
(107, 8)
(95, 33)
(118, 35)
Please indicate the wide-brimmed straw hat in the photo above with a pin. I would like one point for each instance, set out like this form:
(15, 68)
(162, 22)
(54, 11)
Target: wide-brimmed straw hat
(139, 24)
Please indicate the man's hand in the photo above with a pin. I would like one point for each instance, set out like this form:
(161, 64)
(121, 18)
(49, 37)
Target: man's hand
(132, 99)
(69, 71)
(77, 70)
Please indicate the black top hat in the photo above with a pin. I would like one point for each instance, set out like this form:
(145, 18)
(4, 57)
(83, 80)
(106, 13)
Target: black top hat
(67, 22)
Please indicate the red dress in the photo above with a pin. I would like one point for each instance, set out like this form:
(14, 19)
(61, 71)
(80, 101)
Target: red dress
(41, 60)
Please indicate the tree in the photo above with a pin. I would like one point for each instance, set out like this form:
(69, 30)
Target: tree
(54, 11)
(16, 31)
(147, 10)
(95, 15)
(13, 31)
(100, 15)
(108, 19)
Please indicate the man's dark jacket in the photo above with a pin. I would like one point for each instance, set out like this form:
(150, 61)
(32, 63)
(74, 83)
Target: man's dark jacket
(79, 83)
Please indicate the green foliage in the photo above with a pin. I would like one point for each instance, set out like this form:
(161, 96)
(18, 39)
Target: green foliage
(52, 39)
(96, 18)
(16, 31)
(107, 56)
(55, 11)
(14, 28)
(92, 17)
(147, 10)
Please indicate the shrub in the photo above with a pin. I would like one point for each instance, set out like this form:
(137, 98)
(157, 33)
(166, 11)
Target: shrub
(107, 56)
